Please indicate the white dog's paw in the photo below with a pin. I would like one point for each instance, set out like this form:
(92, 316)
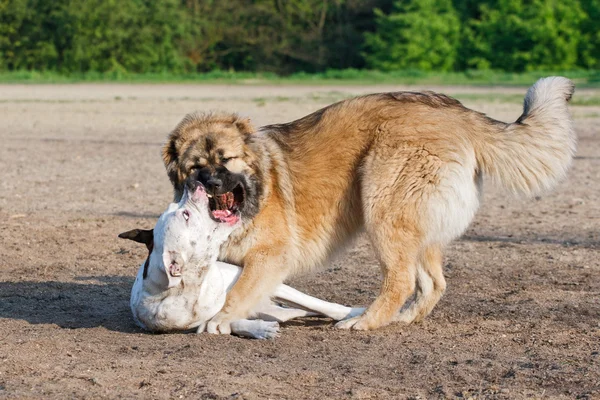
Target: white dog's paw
(266, 330)
(219, 325)
(256, 329)
(354, 312)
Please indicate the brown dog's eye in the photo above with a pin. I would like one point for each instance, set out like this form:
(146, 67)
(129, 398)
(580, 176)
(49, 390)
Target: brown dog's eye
(186, 215)
(225, 160)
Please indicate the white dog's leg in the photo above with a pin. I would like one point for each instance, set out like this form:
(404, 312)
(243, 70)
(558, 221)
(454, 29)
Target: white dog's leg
(295, 298)
(255, 329)
(273, 312)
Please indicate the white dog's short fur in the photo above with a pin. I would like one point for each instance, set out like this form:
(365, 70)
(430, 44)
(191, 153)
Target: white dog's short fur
(182, 286)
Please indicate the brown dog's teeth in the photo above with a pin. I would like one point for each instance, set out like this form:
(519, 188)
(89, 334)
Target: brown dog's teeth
(223, 202)
(230, 200)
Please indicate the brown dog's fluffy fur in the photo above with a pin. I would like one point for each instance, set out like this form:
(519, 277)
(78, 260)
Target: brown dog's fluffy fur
(404, 166)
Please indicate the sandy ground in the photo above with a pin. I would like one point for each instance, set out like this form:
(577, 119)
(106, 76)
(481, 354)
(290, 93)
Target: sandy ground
(81, 163)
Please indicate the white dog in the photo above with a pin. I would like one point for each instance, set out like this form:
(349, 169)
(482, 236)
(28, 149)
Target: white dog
(182, 285)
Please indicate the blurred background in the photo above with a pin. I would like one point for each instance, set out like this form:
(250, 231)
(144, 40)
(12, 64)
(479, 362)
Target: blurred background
(343, 39)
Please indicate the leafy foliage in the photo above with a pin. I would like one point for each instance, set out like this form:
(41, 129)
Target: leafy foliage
(519, 35)
(419, 34)
(291, 36)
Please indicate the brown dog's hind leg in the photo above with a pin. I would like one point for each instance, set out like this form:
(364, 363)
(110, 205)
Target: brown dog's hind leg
(397, 250)
(431, 285)
(398, 182)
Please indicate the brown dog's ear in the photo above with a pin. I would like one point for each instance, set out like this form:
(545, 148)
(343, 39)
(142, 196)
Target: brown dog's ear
(244, 126)
(170, 156)
(145, 236)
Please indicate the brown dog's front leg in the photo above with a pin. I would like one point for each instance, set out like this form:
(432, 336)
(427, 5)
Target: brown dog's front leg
(261, 275)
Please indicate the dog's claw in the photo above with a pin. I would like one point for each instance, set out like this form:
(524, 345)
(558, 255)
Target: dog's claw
(270, 330)
(360, 323)
(255, 329)
(218, 325)
(218, 328)
(347, 323)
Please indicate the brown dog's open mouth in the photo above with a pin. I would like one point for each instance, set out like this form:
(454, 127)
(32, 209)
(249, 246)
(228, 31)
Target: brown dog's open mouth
(226, 207)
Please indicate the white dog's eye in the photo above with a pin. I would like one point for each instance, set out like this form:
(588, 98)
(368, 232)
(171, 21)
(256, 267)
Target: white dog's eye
(186, 215)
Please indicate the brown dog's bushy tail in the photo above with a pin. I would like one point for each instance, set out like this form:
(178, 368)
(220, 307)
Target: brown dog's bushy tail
(534, 153)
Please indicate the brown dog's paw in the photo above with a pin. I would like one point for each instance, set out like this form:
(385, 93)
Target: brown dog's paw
(360, 323)
(220, 324)
(346, 323)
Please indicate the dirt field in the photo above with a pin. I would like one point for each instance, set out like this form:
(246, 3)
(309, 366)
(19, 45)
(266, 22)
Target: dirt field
(81, 163)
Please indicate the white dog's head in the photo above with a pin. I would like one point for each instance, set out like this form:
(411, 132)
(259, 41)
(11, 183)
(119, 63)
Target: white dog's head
(186, 238)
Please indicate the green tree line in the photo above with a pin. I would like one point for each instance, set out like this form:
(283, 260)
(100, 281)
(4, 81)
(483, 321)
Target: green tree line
(286, 36)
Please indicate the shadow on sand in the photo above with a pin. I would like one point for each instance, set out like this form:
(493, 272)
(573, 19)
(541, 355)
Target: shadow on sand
(565, 242)
(101, 301)
(581, 239)
(98, 301)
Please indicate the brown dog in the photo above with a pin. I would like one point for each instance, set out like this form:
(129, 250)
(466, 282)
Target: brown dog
(405, 166)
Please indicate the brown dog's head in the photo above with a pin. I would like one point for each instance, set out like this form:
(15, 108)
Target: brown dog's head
(213, 149)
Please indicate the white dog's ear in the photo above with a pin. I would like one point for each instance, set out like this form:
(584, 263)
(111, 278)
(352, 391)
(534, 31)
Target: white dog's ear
(145, 236)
